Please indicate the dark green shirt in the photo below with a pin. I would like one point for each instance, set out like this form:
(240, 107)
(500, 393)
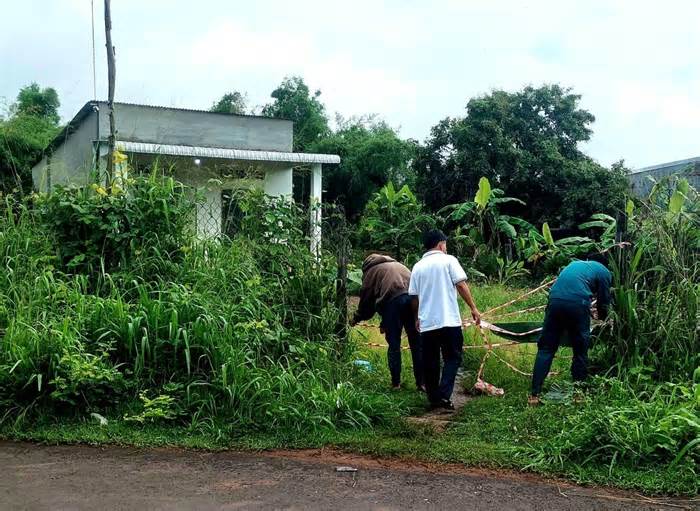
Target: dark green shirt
(580, 281)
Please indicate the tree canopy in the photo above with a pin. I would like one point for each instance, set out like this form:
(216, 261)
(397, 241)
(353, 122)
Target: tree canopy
(294, 101)
(372, 154)
(231, 103)
(38, 102)
(526, 143)
(31, 126)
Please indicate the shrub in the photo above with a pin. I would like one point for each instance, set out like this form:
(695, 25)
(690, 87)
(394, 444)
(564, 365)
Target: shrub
(656, 295)
(394, 222)
(167, 327)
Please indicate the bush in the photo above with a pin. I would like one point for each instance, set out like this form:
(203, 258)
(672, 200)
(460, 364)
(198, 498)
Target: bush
(627, 425)
(105, 229)
(394, 222)
(156, 325)
(656, 295)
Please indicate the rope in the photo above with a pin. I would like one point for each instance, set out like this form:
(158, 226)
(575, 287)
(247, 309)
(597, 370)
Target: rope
(523, 311)
(517, 299)
(487, 342)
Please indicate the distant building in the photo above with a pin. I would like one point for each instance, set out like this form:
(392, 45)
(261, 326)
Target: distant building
(214, 152)
(641, 183)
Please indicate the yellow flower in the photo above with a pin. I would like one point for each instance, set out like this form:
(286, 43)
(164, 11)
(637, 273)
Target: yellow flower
(118, 157)
(101, 191)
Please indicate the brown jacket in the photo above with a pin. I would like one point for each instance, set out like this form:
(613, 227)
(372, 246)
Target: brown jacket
(383, 279)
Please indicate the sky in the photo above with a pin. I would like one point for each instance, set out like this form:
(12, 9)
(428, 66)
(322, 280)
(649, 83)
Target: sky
(636, 64)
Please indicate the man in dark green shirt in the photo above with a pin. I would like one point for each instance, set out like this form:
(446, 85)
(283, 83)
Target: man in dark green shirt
(568, 310)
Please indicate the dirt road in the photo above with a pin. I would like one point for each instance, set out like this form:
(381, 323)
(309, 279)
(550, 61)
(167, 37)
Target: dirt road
(79, 477)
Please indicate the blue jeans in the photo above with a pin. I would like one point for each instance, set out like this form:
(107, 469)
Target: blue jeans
(449, 342)
(562, 317)
(397, 315)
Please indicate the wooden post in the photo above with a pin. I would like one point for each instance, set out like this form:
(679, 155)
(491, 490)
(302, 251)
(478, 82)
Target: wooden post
(341, 281)
(341, 287)
(111, 75)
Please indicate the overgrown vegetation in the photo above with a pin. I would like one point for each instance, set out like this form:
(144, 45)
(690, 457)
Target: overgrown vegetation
(110, 306)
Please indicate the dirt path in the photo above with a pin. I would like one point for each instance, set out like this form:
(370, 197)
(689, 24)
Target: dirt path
(80, 477)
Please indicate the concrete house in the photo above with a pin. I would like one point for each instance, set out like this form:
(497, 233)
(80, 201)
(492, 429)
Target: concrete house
(641, 184)
(214, 152)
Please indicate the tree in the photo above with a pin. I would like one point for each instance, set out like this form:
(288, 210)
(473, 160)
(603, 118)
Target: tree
(294, 101)
(527, 144)
(394, 221)
(38, 102)
(23, 137)
(231, 103)
(371, 155)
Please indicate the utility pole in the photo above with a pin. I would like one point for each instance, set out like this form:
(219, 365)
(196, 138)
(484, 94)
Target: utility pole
(111, 73)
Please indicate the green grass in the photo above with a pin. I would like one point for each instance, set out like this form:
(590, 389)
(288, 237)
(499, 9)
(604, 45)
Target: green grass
(489, 432)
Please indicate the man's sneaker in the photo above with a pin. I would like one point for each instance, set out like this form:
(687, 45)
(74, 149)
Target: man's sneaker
(443, 404)
(447, 404)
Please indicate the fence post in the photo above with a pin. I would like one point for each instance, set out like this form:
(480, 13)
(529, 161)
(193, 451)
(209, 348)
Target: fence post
(341, 281)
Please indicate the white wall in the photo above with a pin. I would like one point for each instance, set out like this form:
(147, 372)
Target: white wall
(72, 162)
(157, 125)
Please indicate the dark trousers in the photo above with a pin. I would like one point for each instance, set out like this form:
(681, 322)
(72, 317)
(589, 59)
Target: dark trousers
(449, 342)
(397, 315)
(562, 317)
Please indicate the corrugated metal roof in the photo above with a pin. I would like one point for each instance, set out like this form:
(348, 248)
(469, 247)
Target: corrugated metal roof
(679, 163)
(225, 154)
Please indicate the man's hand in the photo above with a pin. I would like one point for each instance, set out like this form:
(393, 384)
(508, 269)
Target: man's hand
(417, 325)
(476, 316)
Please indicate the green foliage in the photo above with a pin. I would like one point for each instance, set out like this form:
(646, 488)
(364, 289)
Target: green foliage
(394, 222)
(23, 137)
(625, 425)
(294, 101)
(490, 226)
(231, 103)
(34, 101)
(371, 155)
(97, 228)
(162, 407)
(527, 142)
(241, 332)
(656, 296)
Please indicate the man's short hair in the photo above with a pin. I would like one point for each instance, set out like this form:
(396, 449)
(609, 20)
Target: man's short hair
(598, 257)
(432, 238)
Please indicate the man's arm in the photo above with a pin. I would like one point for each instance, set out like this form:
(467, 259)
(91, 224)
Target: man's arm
(466, 294)
(366, 308)
(603, 294)
(414, 307)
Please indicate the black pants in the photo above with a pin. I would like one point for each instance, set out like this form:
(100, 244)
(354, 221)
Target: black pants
(563, 317)
(449, 342)
(397, 315)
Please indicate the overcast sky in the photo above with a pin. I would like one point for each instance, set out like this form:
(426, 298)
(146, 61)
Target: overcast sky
(636, 63)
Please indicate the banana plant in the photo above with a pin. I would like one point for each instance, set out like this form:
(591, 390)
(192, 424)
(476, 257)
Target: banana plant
(489, 225)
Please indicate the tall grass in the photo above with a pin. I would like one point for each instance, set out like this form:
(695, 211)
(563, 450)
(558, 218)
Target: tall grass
(655, 331)
(154, 325)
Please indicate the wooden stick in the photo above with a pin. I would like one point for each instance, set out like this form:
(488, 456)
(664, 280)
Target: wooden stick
(111, 77)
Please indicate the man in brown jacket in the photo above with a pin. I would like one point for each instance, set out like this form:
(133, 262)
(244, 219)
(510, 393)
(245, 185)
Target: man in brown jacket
(385, 290)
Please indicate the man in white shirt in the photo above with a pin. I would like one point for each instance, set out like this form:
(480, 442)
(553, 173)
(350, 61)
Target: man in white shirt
(435, 281)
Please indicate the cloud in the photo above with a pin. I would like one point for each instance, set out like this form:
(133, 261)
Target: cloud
(635, 63)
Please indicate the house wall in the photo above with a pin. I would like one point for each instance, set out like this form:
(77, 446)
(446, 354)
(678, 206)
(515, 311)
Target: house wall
(157, 125)
(72, 161)
(641, 185)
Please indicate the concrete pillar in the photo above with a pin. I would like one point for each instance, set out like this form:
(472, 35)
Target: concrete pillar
(315, 207)
(278, 182)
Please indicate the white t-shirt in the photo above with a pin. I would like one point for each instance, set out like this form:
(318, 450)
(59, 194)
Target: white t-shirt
(433, 281)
